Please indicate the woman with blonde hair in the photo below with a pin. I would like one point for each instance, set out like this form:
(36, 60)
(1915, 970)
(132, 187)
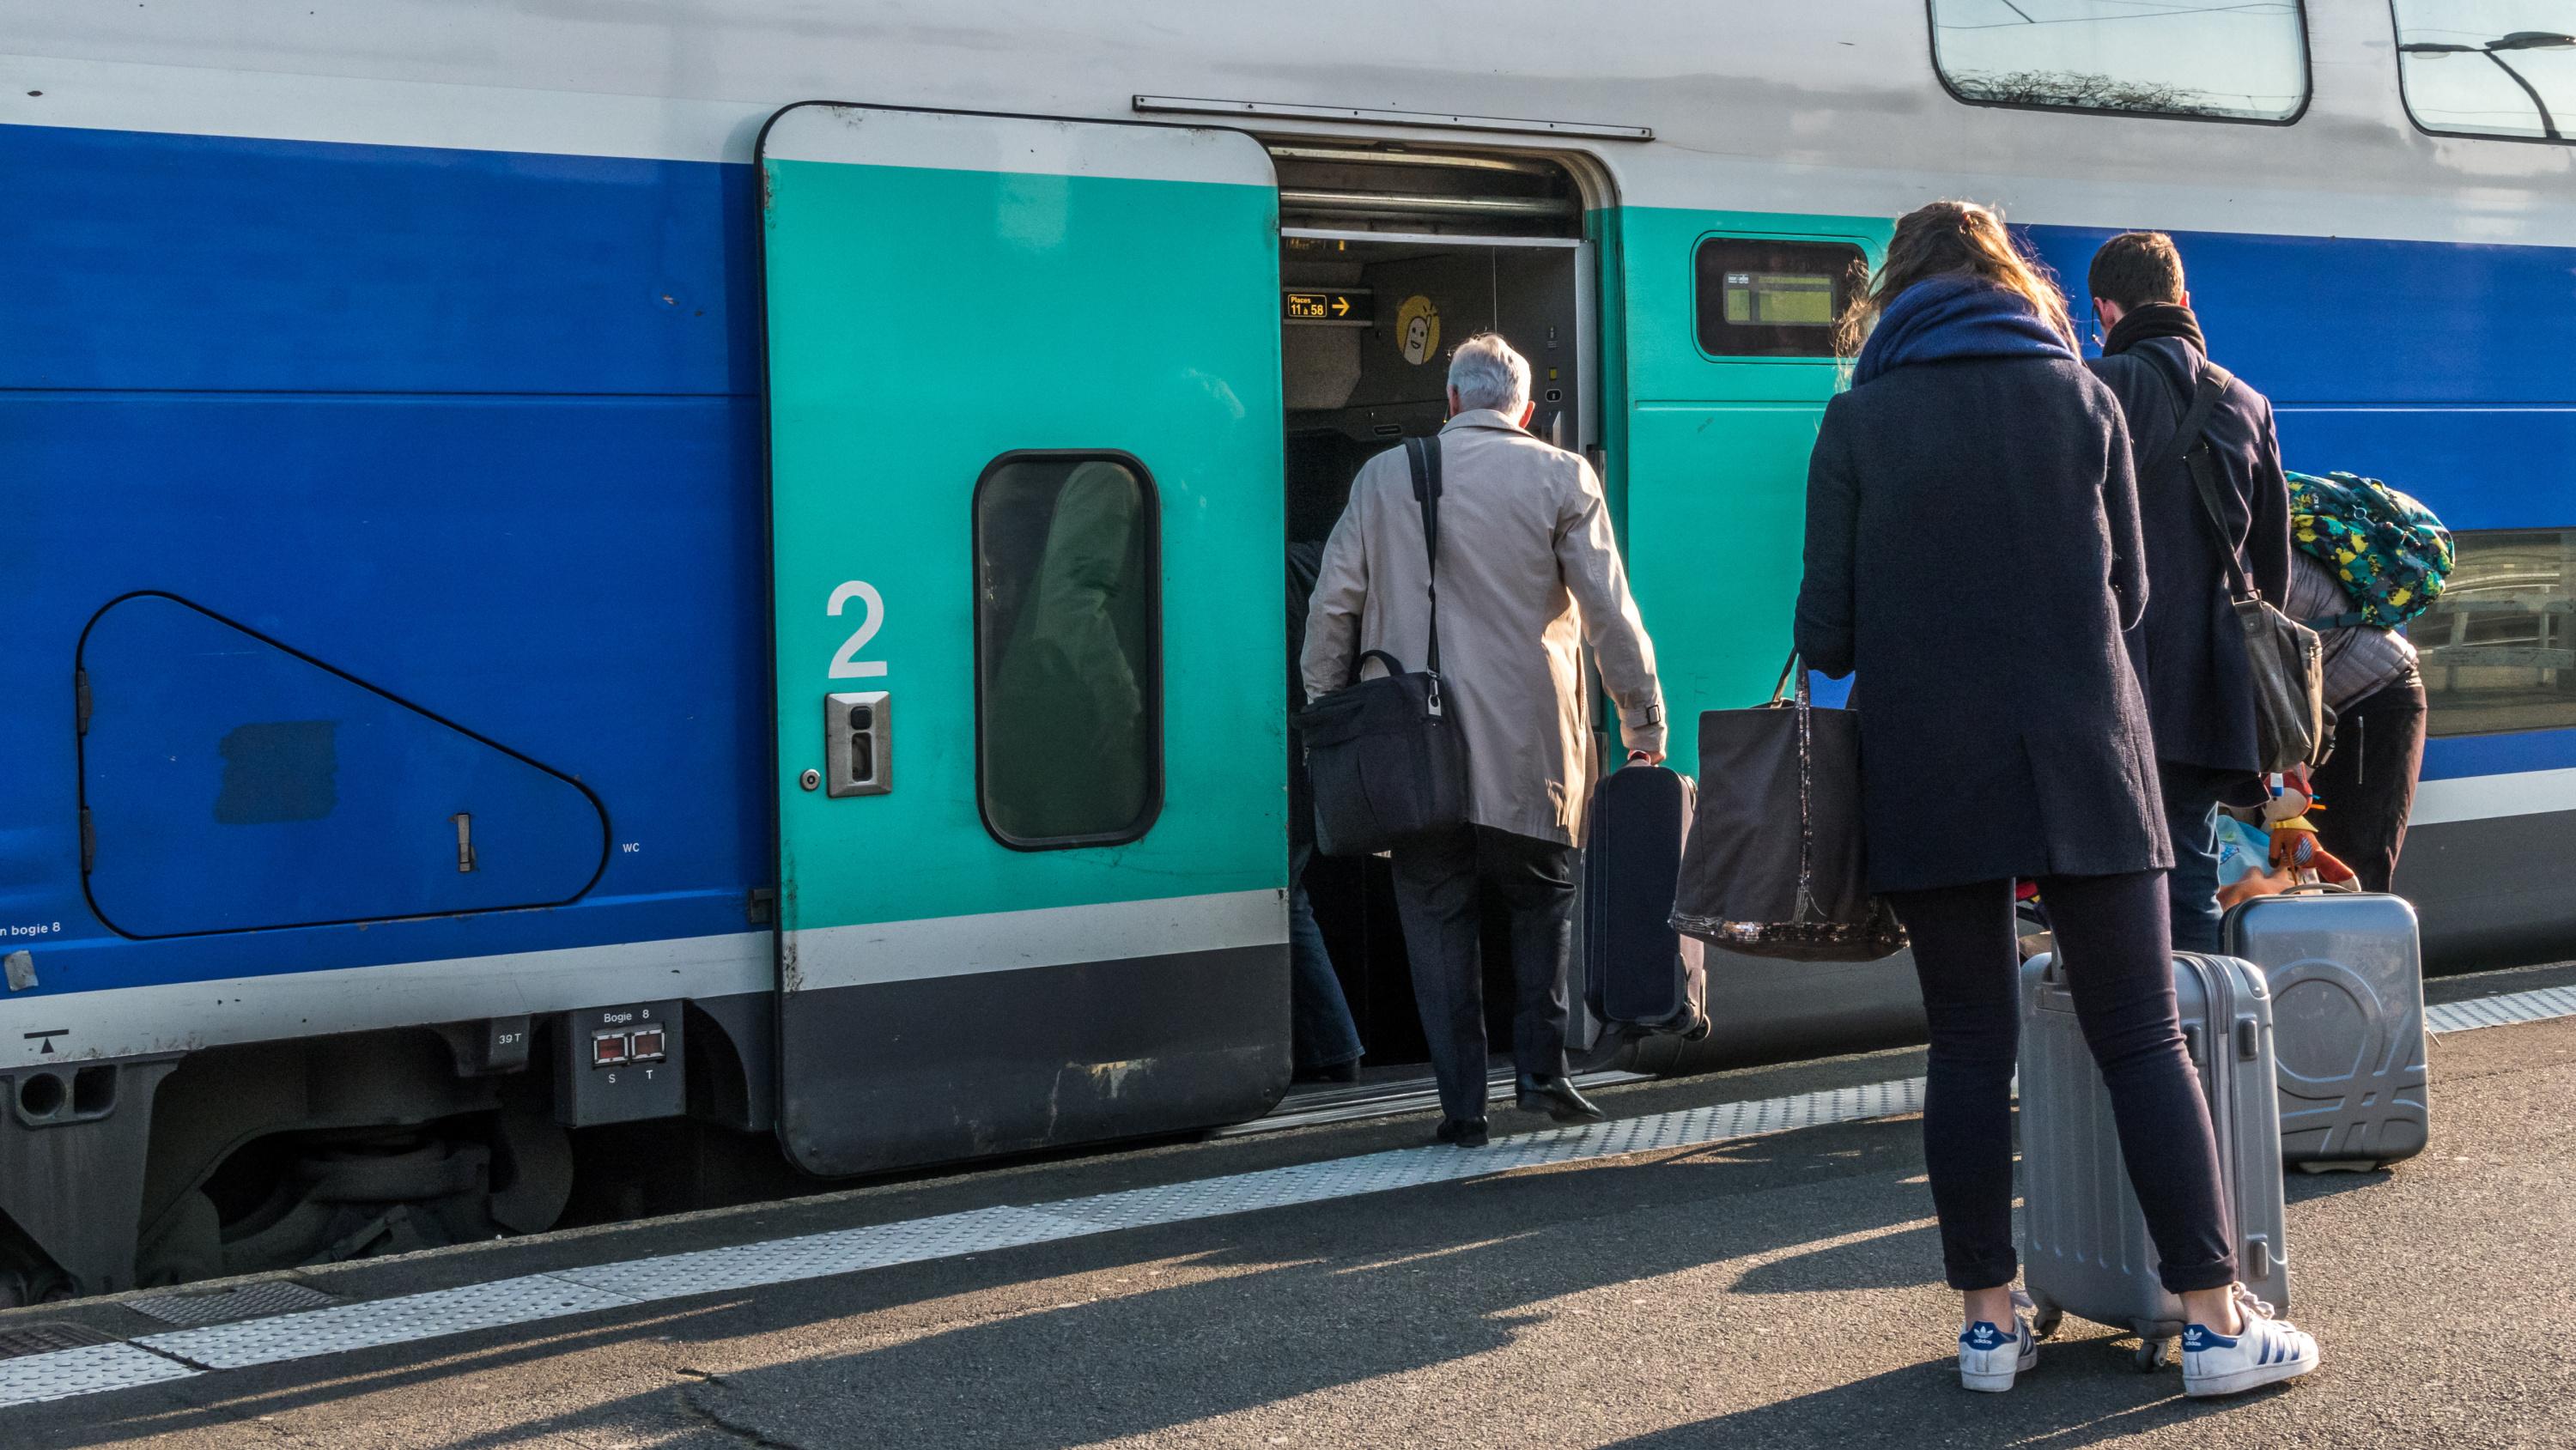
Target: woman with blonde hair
(1973, 551)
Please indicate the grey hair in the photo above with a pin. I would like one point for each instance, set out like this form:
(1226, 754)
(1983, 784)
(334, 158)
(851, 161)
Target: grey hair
(1488, 374)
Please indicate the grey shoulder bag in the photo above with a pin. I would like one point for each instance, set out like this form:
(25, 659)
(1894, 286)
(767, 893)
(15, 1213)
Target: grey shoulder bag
(2285, 661)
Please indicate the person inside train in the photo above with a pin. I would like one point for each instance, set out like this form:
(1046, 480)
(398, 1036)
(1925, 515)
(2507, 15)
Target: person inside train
(1323, 1041)
(2366, 788)
(1528, 573)
(1063, 670)
(1973, 551)
(2190, 650)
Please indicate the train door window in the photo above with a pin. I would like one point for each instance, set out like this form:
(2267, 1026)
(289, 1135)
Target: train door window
(1068, 649)
(2489, 67)
(2219, 62)
(1759, 298)
(2499, 647)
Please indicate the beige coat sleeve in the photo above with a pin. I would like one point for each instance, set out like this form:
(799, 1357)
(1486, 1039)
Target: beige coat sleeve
(1587, 558)
(1333, 613)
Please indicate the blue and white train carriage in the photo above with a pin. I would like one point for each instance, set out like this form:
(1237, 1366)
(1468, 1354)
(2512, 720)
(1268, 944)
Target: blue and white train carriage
(524, 569)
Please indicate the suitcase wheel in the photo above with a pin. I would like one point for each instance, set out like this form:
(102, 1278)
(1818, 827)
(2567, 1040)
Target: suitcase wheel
(2044, 1322)
(2150, 1355)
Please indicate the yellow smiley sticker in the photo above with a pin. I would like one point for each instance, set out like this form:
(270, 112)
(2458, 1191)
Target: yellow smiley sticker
(1417, 329)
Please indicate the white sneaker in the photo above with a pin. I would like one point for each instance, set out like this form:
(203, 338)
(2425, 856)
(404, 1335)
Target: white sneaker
(1989, 1358)
(2269, 1351)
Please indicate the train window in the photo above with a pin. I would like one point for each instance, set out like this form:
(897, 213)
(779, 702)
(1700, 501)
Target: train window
(2489, 67)
(2499, 646)
(2222, 62)
(1068, 649)
(1759, 298)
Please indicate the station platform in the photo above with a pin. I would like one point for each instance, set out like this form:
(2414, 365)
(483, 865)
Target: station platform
(1738, 1259)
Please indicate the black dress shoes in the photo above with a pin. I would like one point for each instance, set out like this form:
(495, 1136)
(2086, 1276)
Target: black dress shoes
(1348, 1071)
(1556, 1097)
(1460, 1132)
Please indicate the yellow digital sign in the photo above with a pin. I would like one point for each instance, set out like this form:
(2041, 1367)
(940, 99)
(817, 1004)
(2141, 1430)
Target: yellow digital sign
(1330, 306)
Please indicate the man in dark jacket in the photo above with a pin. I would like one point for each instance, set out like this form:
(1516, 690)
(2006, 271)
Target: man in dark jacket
(2189, 650)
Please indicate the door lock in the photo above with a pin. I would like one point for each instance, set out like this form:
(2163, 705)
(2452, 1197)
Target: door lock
(858, 750)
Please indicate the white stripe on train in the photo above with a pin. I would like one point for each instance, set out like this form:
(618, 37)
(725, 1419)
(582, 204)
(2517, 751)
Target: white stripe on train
(184, 1016)
(696, 83)
(2491, 797)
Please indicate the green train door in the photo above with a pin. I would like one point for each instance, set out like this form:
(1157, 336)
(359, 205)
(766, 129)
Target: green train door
(1725, 358)
(1722, 359)
(1025, 513)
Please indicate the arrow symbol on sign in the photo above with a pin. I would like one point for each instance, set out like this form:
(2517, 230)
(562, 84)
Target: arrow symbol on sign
(1341, 306)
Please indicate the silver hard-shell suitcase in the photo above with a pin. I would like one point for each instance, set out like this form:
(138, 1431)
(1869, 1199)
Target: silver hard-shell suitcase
(2085, 1249)
(2347, 976)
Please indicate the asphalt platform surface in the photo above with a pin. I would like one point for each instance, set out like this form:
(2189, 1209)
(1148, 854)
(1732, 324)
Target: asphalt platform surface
(1778, 1291)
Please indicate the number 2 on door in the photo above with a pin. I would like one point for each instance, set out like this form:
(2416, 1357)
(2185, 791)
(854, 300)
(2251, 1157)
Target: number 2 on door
(847, 665)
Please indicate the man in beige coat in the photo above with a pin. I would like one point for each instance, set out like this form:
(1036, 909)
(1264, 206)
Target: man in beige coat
(1527, 572)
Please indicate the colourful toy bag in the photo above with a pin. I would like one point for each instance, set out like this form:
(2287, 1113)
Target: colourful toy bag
(2391, 553)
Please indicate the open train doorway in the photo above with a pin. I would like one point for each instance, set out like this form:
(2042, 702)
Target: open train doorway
(1389, 258)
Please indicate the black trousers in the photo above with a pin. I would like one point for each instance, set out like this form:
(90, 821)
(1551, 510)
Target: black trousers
(2367, 787)
(1437, 886)
(2111, 938)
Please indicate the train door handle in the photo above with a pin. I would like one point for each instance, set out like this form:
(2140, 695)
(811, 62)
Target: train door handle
(858, 743)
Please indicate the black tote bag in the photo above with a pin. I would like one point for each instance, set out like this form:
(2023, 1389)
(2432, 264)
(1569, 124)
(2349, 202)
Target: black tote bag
(1773, 867)
(1386, 757)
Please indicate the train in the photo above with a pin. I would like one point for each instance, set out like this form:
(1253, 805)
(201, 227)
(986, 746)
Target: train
(531, 571)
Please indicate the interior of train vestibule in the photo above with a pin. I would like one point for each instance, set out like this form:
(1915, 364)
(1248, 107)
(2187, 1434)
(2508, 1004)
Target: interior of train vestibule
(1389, 257)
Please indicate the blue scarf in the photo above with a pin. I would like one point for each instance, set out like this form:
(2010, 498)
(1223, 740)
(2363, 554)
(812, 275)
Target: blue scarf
(1955, 314)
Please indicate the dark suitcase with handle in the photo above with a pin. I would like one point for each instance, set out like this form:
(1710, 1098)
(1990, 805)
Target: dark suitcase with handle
(1640, 975)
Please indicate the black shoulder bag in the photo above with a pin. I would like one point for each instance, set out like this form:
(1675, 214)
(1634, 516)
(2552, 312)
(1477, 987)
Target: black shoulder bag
(1388, 761)
(2285, 660)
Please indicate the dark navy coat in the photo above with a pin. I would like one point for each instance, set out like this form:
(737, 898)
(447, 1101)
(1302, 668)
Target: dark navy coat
(2190, 651)
(1973, 553)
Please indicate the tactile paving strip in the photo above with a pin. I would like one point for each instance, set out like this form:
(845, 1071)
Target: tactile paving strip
(26, 1339)
(248, 1301)
(89, 1370)
(817, 1256)
(380, 1322)
(2537, 1005)
(1415, 1167)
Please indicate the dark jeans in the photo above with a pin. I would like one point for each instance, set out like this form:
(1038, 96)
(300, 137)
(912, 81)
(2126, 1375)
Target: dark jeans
(1320, 1031)
(1437, 885)
(2367, 787)
(2191, 796)
(2121, 974)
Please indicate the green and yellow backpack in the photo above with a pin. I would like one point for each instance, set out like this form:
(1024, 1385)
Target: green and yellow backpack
(2391, 553)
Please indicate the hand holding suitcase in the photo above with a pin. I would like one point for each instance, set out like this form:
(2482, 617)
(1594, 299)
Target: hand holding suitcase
(1639, 973)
